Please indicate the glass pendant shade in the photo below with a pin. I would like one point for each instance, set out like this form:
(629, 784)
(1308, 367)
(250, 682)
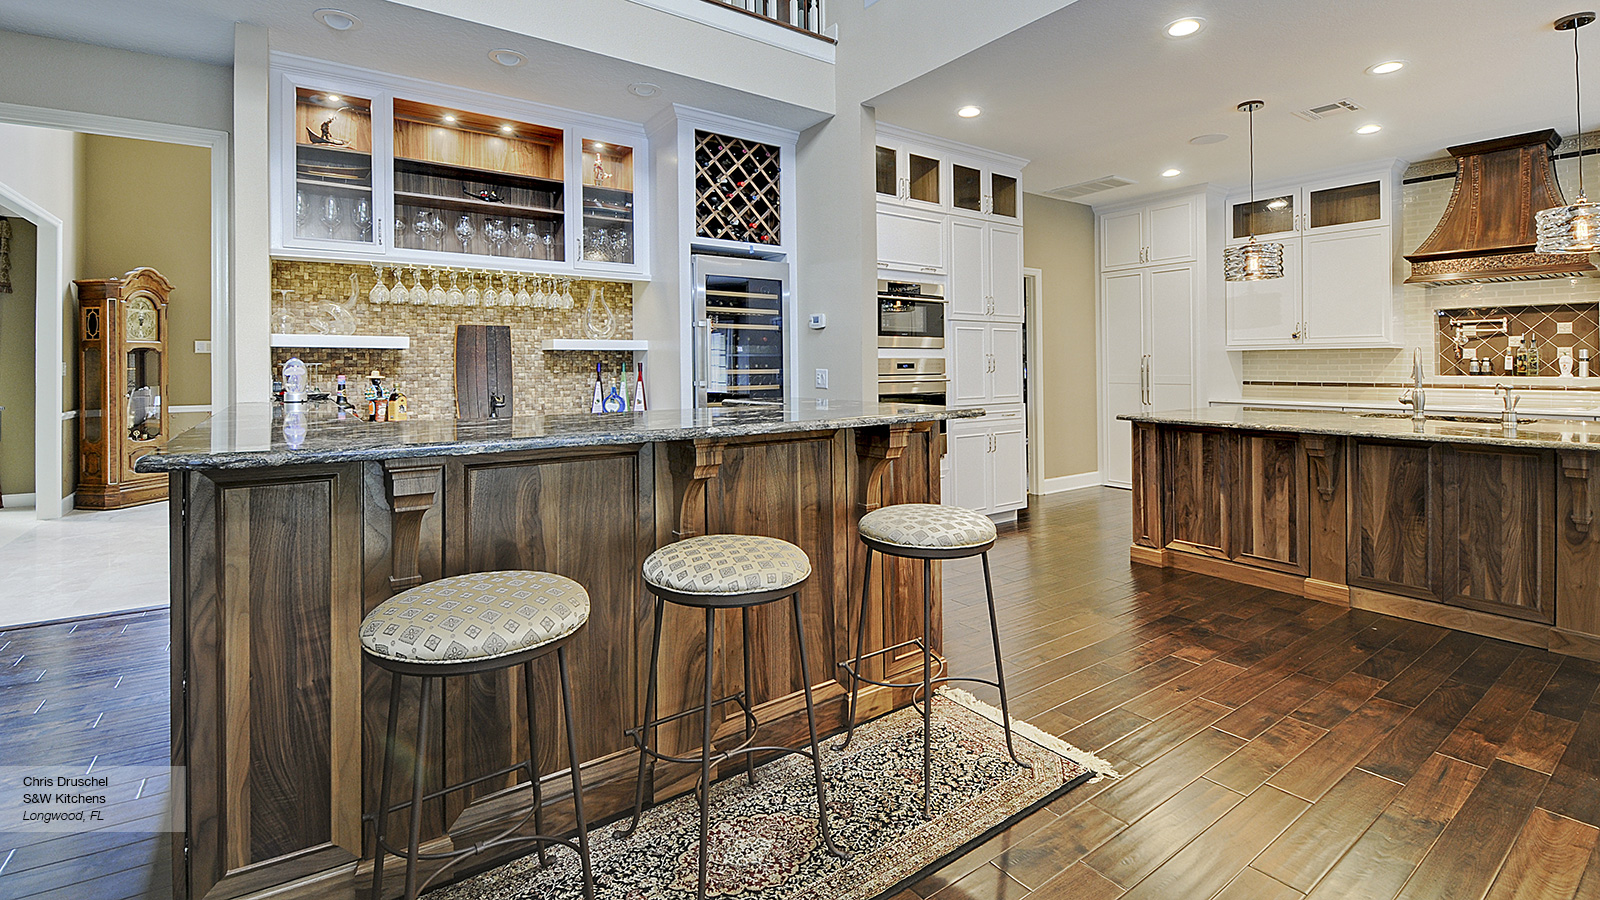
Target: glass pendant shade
(1253, 261)
(1569, 229)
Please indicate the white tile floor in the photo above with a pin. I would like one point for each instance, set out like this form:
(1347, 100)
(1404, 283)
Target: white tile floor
(82, 564)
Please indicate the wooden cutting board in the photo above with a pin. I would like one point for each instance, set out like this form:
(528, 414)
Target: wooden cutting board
(483, 369)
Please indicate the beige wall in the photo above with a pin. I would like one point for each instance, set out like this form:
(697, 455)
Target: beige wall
(149, 204)
(16, 364)
(1058, 240)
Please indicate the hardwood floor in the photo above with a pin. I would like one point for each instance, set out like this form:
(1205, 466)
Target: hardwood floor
(1272, 747)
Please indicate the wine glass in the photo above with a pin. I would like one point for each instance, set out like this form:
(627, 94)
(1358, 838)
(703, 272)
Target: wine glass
(437, 227)
(508, 297)
(549, 245)
(302, 212)
(330, 215)
(514, 236)
(419, 294)
(471, 298)
(464, 232)
(566, 294)
(495, 231)
(491, 297)
(423, 228)
(624, 246)
(530, 238)
(281, 321)
(524, 299)
(362, 217)
(399, 231)
(379, 294)
(436, 296)
(455, 297)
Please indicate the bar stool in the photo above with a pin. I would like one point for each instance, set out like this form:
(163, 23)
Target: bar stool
(463, 625)
(926, 531)
(713, 572)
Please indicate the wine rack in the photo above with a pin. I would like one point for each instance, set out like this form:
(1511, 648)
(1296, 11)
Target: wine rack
(736, 188)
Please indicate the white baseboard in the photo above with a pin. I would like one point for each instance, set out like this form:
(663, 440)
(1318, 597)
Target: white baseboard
(69, 503)
(12, 501)
(1070, 482)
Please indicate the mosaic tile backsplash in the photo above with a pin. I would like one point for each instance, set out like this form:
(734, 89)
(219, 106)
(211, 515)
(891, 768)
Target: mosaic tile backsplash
(1562, 328)
(553, 382)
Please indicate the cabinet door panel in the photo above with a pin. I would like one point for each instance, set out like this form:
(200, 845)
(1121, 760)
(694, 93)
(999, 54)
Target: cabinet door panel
(1005, 348)
(1005, 271)
(1171, 236)
(1349, 288)
(1267, 313)
(1117, 470)
(1271, 502)
(967, 291)
(1122, 315)
(1197, 468)
(969, 469)
(907, 240)
(1498, 538)
(1010, 461)
(969, 364)
(1121, 239)
(1172, 293)
(1393, 512)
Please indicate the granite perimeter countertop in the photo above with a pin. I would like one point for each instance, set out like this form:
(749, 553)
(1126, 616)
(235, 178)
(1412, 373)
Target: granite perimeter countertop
(259, 435)
(1484, 428)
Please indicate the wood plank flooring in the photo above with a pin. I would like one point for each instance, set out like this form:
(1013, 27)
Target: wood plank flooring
(1273, 748)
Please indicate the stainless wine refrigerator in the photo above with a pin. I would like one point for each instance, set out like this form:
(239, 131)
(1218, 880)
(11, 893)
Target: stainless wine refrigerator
(743, 322)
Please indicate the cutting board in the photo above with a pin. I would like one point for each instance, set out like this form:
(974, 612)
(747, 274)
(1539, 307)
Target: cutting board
(483, 369)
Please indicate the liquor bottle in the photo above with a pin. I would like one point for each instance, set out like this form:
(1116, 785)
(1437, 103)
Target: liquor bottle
(614, 401)
(373, 397)
(599, 398)
(638, 391)
(398, 408)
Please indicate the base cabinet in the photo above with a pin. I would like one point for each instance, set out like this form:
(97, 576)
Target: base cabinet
(988, 463)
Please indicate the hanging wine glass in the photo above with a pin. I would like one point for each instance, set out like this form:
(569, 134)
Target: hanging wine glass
(436, 296)
(379, 294)
(455, 297)
(398, 293)
(566, 294)
(423, 227)
(472, 296)
(330, 215)
(508, 297)
(419, 294)
(437, 227)
(491, 297)
(464, 232)
(362, 217)
(524, 299)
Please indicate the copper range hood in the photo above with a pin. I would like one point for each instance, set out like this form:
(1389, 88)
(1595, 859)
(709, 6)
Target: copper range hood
(1488, 232)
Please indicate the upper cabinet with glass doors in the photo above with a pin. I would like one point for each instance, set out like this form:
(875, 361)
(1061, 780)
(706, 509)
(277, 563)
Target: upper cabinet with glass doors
(1363, 200)
(374, 168)
(913, 170)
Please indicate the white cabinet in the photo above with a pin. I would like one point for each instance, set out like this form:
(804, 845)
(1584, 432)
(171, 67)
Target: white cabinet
(1349, 288)
(985, 363)
(910, 240)
(1005, 271)
(988, 462)
(985, 270)
(1160, 232)
(1266, 314)
(1147, 337)
(909, 175)
(982, 188)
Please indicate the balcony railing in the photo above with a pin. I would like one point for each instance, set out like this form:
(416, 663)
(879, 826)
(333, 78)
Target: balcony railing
(800, 15)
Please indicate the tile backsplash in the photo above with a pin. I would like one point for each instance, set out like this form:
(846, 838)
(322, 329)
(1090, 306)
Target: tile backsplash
(1561, 328)
(546, 382)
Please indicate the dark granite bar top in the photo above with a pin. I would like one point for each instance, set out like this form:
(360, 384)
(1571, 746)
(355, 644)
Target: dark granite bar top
(260, 435)
(1534, 432)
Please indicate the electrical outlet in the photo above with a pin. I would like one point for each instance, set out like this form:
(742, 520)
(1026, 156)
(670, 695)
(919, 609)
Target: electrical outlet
(822, 378)
(202, 346)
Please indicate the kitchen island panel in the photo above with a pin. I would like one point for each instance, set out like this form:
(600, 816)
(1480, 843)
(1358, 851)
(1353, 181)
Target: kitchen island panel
(1271, 515)
(1497, 534)
(1394, 502)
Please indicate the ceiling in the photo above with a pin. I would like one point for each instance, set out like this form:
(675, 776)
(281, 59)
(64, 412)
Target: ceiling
(1098, 89)
(392, 38)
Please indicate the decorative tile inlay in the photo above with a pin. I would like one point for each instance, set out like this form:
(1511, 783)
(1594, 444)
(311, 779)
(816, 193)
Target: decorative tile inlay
(1544, 322)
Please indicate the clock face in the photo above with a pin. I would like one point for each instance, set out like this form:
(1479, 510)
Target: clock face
(141, 319)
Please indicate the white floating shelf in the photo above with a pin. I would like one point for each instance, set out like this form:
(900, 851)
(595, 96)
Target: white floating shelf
(344, 341)
(565, 344)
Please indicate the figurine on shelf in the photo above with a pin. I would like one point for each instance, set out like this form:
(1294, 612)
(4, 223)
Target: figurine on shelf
(600, 173)
(485, 195)
(326, 138)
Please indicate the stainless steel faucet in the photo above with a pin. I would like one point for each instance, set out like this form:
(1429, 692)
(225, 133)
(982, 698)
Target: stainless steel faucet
(1508, 416)
(1415, 397)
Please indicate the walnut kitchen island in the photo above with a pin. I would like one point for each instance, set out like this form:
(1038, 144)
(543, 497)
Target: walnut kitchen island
(284, 534)
(1457, 522)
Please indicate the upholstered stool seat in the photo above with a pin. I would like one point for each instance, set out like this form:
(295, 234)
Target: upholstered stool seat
(927, 526)
(473, 624)
(727, 564)
(720, 573)
(477, 617)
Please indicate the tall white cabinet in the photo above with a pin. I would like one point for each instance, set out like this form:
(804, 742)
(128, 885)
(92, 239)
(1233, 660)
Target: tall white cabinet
(1154, 316)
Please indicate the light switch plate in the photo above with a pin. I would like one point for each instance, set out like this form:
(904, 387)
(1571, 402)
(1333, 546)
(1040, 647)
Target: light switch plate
(202, 346)
(822, 378)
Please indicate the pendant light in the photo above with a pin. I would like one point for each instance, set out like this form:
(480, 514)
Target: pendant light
(1252, 261)
(1574, 228)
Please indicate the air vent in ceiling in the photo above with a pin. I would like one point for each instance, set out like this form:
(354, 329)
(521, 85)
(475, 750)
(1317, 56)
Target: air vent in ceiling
(1328, 109)
(1084, 188)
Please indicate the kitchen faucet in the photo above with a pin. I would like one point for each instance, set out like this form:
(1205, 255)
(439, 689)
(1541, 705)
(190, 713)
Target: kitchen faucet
(1508, 416)
(1414, 396)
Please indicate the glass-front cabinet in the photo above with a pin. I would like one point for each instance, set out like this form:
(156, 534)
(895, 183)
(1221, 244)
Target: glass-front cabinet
(912, 176)
(370, 167)
(1324, 205)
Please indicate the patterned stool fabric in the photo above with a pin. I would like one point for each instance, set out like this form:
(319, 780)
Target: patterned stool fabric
(475, 617)
(727, 564)
(928, 526)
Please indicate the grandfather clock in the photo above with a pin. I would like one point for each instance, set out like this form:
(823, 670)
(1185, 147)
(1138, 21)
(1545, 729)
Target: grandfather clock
(122, 387)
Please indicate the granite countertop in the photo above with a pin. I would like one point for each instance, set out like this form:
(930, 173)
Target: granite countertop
(259, 435)
(1534, 432)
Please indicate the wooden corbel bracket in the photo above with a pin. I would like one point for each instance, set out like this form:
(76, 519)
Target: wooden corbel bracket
(692, 511)
(1575, 467)
(877, 447)
(411, 491)
(1321, 468)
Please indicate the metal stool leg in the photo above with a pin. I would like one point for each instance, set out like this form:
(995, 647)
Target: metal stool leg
(646, 728)
(533, 761)
(927, 687)
(577, 778)
(705, 751)
(811, 725)
(384, 783)
(861, 638)
(424, 719)
(749, 698)
(999, 670)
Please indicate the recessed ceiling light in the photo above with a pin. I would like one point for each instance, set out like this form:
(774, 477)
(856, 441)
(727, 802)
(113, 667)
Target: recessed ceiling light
(449, 118)
(1172, 173)
(599, 146)
(337, 19)
(969, 112)
(1385, 68)
(506, 129)
(1208, 139)
(1371, 128)
(508, 58)
(1185, 27)
(644, 89)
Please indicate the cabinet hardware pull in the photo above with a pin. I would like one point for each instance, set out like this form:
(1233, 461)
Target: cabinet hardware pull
(377, 229)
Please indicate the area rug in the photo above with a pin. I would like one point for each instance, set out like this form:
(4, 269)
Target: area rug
(764, 838)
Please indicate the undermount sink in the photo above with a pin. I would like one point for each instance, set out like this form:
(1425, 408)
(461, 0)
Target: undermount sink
(1473, 420)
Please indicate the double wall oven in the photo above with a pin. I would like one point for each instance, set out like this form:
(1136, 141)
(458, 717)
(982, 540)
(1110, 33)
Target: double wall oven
(911, 367)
